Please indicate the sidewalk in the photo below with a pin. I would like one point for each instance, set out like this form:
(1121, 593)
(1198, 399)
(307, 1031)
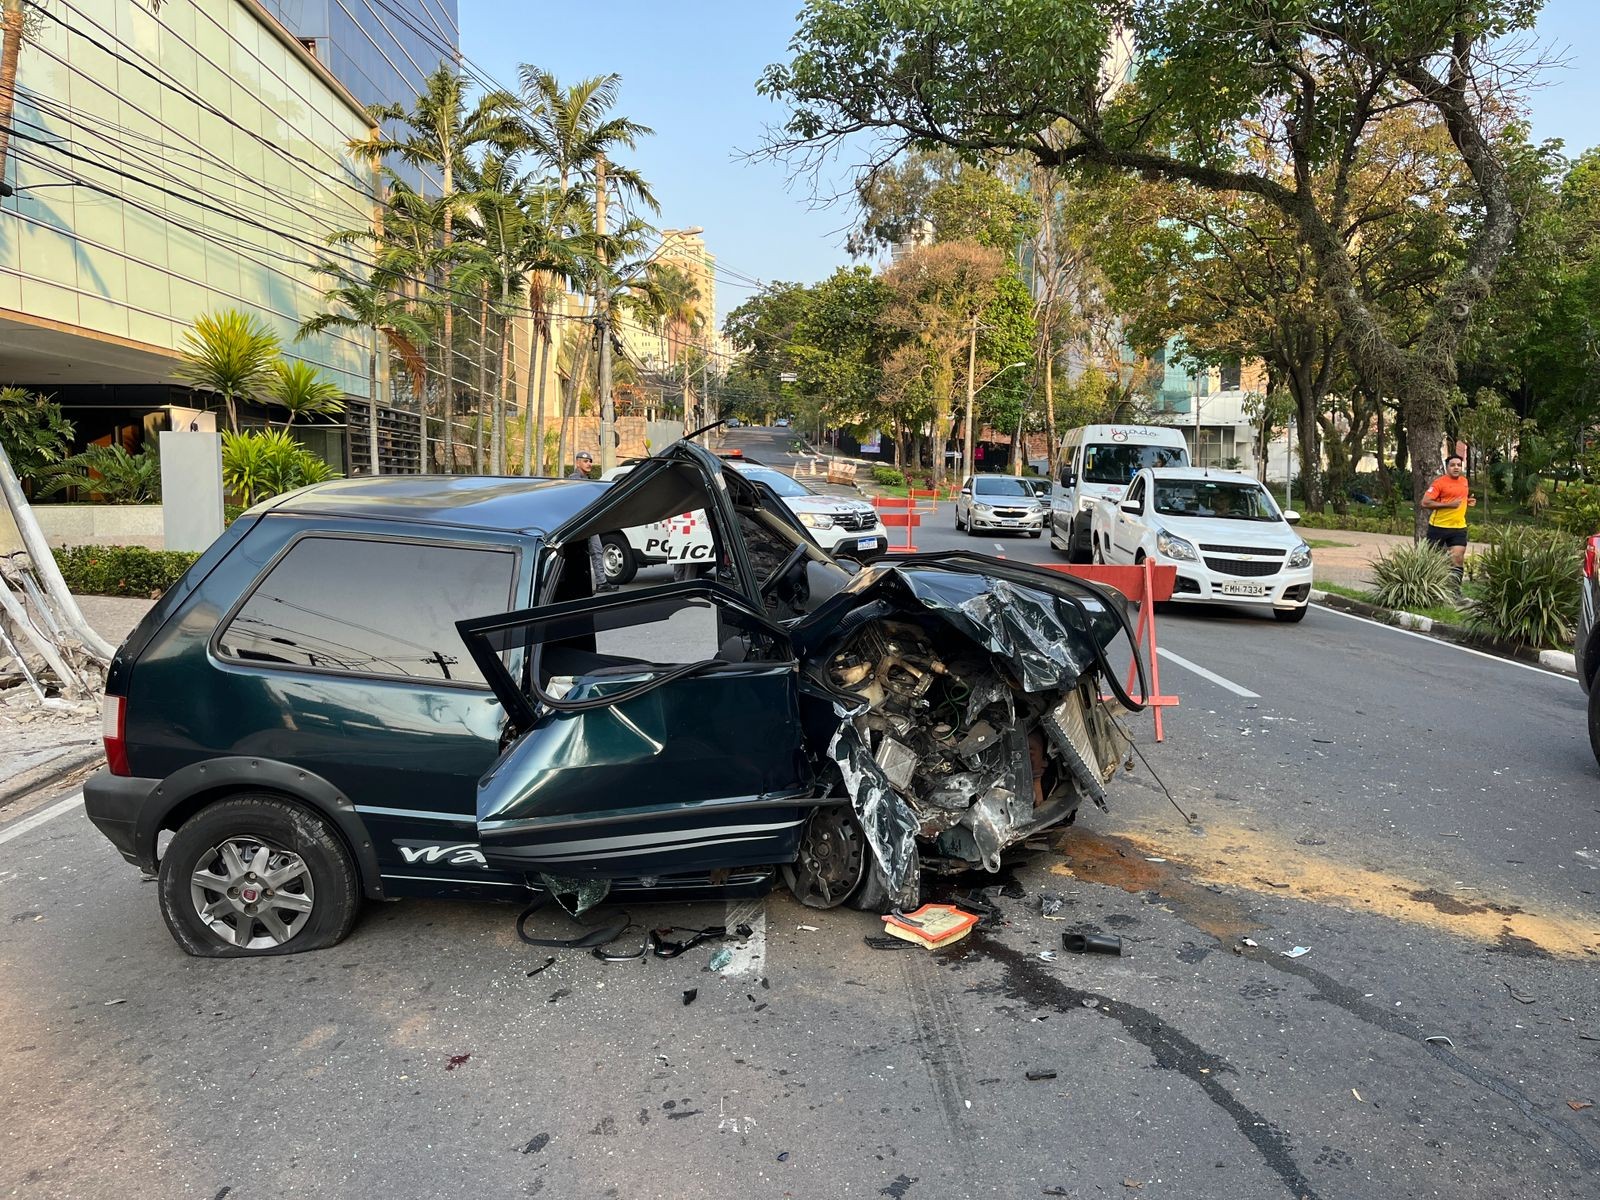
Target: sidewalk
(1348, 559)
(39, 744)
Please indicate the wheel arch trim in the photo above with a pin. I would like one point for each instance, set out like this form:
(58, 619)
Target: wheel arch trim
(218, 778)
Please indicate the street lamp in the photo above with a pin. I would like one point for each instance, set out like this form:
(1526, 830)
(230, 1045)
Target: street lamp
(972, 392)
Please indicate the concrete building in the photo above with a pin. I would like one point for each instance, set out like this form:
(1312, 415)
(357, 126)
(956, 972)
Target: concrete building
(168, 164)
(658, 345)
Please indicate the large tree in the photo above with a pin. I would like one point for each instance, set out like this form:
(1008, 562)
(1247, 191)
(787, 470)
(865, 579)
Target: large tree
(1134, 87)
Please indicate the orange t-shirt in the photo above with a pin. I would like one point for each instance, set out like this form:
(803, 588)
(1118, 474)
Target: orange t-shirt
(1454, 491)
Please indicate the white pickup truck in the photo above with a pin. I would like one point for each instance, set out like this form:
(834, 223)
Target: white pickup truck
(1221, 529)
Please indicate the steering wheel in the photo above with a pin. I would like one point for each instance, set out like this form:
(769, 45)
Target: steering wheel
(794, 558)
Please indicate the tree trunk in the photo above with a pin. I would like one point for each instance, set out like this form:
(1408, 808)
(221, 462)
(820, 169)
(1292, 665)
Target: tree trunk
(11, 22)
(483, 381)
(506, 398)
(1050, 449)
(372, 405)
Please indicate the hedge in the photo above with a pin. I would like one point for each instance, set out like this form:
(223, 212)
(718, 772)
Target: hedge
(121, 570)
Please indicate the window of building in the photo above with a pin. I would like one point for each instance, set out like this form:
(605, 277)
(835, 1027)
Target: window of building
(371, 607)
(1230, 376)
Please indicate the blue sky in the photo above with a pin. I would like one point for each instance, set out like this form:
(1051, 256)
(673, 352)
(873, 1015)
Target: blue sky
(689, 71)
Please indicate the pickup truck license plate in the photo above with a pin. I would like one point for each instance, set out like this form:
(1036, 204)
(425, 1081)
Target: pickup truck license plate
(868, 543)
(1243, 589)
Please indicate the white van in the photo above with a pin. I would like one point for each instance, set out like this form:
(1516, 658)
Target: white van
(1097, 463)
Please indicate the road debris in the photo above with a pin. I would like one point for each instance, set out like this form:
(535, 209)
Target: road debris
(1050, 906)
(1132, 1183)
(879, 942)
(720, 959)
(783, 1156)
(1271, 883)
(932, 926)
(807, 928)
(689, 995)
(544, 966)
(1357, 1095)
(457, 1060)
(1047, 956)
(1092, 943)
(1579, 1105)
(1439, 1039)
(1251, 942)
(1297, 952)
(1518, 996)
(1038, 1076)
(1054, 1191)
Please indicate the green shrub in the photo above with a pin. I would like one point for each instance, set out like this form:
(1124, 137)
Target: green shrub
(1528, 588)
(34, 433)
(1409, 578)
(888, 477)
(121, 570)
(1356, 523)
(1575, 507)
(110, 473)
(262, 463)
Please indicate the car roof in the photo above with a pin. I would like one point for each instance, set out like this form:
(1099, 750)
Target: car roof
(1214, 473)
(503, 503)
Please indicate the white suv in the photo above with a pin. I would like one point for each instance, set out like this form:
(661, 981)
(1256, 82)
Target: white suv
(841, 526)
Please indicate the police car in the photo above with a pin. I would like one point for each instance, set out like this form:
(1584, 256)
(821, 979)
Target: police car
(843, 527)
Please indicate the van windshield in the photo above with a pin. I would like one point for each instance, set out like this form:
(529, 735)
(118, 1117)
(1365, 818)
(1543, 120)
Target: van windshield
(1120, 462)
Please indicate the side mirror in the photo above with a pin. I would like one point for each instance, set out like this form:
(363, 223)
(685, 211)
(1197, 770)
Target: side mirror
(1132, 507)
(966, 491)
(1291, 517)
(1067, 477)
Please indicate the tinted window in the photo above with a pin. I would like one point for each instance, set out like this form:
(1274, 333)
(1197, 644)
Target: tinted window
(1120, 462)
(777, 481)
(1000, 485)
(371, 608)
(1214, 498)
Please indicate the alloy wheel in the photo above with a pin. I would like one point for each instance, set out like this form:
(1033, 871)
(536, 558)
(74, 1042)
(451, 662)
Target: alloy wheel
(252, 894)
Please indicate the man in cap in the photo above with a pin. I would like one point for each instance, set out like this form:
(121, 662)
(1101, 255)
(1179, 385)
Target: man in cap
(582, 464)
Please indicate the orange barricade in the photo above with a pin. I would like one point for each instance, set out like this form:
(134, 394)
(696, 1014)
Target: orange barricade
(1145, 585)
(898, 512)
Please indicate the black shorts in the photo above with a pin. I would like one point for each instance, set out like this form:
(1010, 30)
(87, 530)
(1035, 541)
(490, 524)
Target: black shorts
(1439, 535)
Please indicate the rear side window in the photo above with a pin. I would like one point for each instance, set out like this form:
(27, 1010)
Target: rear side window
(371, 607)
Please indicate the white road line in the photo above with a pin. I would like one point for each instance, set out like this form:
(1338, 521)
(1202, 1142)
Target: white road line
(1507, 662)
(18, 828)
(749, 954)
(1233, 687)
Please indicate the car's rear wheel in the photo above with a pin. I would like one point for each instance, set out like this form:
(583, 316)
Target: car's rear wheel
(618, 558)
(253, 875)
(1291, 615)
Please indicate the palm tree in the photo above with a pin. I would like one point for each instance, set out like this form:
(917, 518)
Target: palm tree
(304, 391)
(370, 304)
(230, 353)
(439, 135)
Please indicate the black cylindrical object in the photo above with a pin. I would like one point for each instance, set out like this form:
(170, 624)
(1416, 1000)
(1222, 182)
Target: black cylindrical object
(1092, 943)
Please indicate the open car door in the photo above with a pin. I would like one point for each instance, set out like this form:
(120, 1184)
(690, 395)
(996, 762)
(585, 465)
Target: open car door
(656, 732)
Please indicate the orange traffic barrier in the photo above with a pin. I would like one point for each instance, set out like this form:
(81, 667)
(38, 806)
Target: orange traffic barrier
(897, 512)
(1145, 585)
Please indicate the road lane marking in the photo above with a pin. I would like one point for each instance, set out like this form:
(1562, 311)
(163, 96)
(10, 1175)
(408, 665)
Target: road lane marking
(18, 828)
(749, 954)
(1509, 662)
(1233, 687)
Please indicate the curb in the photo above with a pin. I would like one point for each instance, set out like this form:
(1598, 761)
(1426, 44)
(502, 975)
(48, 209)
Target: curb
(1558, 661)
(49, 774)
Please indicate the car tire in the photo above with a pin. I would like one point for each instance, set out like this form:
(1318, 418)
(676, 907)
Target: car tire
(873, 894)
(614, 549)
(1293, 615)
(304, 856)
(1594, 719)
(1095, 555)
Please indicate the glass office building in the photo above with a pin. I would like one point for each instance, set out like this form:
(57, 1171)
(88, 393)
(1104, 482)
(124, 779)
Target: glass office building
(381, 50)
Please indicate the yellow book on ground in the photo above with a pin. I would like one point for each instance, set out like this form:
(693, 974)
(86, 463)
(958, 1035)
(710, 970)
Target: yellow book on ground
(931, 926)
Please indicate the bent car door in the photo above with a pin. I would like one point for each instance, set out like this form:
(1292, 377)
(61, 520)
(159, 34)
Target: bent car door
(657, 734)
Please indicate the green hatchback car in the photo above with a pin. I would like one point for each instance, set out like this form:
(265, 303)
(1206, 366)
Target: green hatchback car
(409, 686)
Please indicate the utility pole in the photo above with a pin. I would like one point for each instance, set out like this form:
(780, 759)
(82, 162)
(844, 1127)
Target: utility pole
(608, 411)
(972, 371)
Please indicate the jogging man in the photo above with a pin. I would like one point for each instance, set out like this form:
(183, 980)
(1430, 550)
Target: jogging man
(1449, 498)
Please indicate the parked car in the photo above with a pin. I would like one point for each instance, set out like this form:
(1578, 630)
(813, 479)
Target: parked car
(841, 526)
(999, 504)
(1586, 647)
(1223, 532)
(305, 719)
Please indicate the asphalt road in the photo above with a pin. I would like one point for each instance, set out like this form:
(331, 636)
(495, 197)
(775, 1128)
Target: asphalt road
(1423, 819)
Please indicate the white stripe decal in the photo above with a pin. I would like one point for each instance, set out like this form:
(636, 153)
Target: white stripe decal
(34, 820)
(411, 813)
(605, 843)
(466, 879)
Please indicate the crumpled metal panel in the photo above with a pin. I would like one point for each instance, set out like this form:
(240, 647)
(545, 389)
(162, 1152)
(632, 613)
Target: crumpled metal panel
(886, 819)
(1041, 636)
